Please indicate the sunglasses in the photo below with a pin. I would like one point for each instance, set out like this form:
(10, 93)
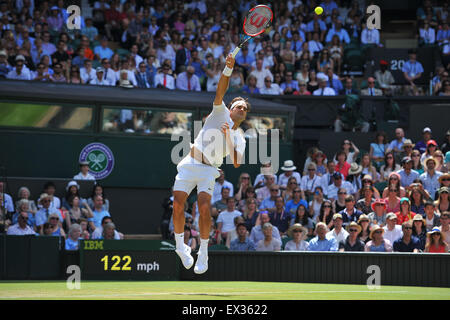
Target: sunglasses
(353, 230)
(23, 218)
(327, 206)
(297, 191)
(342, 192)
(45, 201)
(407, 228)
(54, 218)
(378, 231)
(446, 179)
(311, 169)
(296, 231)
(293, 182)
(245, 177)
(274, 189)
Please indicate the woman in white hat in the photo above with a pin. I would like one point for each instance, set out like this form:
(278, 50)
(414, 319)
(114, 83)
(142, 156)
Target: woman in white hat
(72, 189)
(298, 234)
(435, 242)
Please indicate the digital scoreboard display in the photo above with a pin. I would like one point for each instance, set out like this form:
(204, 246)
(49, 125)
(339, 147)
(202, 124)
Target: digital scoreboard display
(127, 260)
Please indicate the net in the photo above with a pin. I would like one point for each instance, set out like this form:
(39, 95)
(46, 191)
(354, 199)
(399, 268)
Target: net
(258, 19)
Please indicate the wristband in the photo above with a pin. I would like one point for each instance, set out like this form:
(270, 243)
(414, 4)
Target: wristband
(227, 71)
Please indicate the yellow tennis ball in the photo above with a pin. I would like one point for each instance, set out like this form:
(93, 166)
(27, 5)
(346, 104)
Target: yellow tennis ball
(318, 10)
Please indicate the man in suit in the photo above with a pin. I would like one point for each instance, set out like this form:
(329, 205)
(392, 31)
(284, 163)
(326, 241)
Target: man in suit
(348, 87)
(144, 78)
(164, 79)
(371, 90)
(183, 55)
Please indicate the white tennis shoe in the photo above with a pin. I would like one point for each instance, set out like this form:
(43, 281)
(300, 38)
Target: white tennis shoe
(201, 266)
(185, 256)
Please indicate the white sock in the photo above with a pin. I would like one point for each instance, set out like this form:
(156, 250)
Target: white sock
(179, 240)
(204, 245)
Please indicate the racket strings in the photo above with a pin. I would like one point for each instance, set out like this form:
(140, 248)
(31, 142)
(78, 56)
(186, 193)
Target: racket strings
(257, 21)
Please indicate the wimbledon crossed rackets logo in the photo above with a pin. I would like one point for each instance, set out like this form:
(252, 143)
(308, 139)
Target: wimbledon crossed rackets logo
(100, 159)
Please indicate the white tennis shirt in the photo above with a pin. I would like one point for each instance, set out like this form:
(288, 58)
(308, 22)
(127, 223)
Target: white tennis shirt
(211, 141)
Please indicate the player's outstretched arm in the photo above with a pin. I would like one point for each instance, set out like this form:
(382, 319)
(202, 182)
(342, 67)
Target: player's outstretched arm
(222, 86)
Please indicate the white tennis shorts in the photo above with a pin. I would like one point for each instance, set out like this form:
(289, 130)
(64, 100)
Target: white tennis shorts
(193, 173)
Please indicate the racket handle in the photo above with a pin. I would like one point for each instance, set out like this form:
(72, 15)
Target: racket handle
(235, 51)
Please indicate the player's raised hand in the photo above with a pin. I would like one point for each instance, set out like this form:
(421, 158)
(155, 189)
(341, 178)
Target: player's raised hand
(224, 128)
(230, 61)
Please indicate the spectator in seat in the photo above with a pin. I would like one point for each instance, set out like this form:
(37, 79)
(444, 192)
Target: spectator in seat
(270, 88)
(44, 213)
(427, 35)
(220, 183)
(348, 87)
(322, 242)
(163, 79)
(435, 242)
(430, 178)
(24, 194)
(370, 36)
(188, 81)
(100, 79)
(352, 242)
(269, 243)
(302, 217)
(445, 225)
(5, 67)
(19, 72)
(257, 233)
(98, 232)
(21, 228)
(385, 78)
(339, 233)
(432, 218)
(298, 235)
(303, 91)
(290, 85)
(350, 213)
(339, 31)
(419, 230)
(392, 230)
(397, 144)
(405, 213)
(407, 243)
(337, 185)
(76, 212)
(260, 74)
(378, 243)
(243, 242)
(412, 69)
(326, 214)
(87, 73)
(56, 225)
(84, 172)
(389, 166)
(378, 215)
(432, 147)
(251, 85)
(310, 181)
(407, 174)
(268, 204)
(343, 163)
(289, 171)
(189, 240)
(422, 144)
(74, 235)
(99, 213)
(280, 217)
(323, 89)
(144, 78)
(225, 220)
(6, 201)
(371, 90)
(109, 231)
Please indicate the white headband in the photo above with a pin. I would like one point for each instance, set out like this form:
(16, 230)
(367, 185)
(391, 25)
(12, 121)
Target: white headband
(236, 103)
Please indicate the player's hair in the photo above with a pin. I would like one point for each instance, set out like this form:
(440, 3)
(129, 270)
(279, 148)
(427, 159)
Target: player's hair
(243, 99)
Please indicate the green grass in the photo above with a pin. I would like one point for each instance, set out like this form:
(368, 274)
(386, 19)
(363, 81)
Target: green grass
(22, 114)
(199, 290)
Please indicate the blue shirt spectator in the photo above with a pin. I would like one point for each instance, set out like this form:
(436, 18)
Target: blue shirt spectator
(71, 244)
(407, 179)
(328, 7)
(43, 214)
(103, 52)
(184, 82)
(246, 245)
(327, 244)
(340, 32)
(98, 216)
(310, 25)
(401, 246)
(291, 206)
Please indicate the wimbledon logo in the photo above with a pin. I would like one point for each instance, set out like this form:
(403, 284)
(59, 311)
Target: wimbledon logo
(100, 159)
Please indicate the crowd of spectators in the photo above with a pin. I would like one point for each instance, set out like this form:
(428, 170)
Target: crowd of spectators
(71, 217)
(183, 44)
(393, 197)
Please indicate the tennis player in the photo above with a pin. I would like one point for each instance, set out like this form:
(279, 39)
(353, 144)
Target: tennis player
(218, 138)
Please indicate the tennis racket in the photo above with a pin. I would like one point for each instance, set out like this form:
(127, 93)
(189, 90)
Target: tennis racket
(257, 20)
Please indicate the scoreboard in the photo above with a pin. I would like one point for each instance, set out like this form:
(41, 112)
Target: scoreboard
(128, 260)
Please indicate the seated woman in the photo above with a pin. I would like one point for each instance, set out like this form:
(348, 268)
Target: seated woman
(250, 87)
(378, 243)
(76, 212)
(298, 234)
(389, 166)
(72, 241)
(56, 230)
